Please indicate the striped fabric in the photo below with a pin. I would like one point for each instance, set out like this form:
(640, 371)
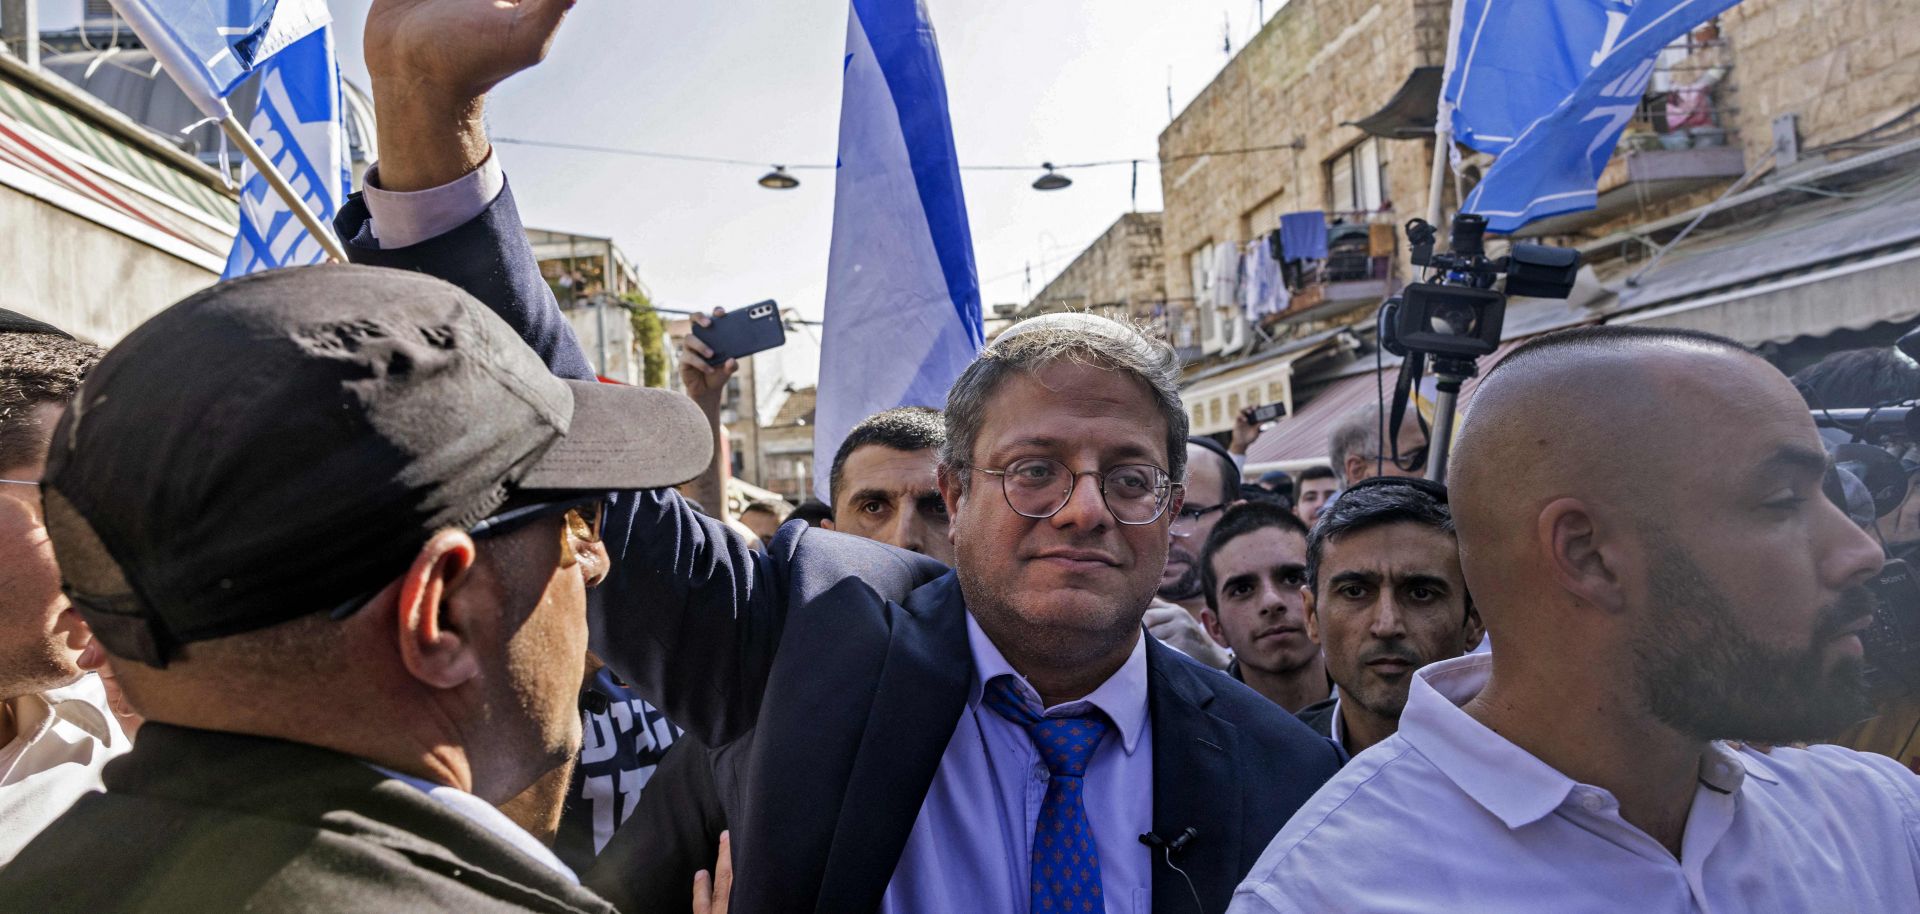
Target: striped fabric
(75, 132)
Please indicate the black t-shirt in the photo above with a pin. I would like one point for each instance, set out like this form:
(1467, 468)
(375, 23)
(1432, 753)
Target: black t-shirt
(622, 739)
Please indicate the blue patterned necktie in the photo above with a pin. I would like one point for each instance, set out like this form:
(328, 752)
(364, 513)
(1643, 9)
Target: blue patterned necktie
(1065, 872)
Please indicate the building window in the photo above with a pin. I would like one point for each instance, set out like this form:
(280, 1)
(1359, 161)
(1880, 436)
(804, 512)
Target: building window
(1213, 409)
(1275, 393)
(1358, 178)
(1233, 404)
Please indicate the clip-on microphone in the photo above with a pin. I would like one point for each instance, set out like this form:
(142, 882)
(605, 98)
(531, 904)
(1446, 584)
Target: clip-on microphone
(1179, 842)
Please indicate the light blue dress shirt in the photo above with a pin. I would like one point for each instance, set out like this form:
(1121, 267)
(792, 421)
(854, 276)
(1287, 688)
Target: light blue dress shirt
(969, 850)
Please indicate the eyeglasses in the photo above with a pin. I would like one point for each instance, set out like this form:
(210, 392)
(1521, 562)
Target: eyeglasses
(20, 482)
(591, 512)
(1189, 518)
(1412, 461)
(1038, 487)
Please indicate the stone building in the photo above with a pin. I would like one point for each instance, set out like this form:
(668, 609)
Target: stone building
(1121, 275)
(1785, 132)
(786, 446)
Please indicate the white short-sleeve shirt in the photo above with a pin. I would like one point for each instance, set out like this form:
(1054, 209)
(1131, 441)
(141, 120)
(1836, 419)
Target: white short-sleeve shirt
(1447, 815)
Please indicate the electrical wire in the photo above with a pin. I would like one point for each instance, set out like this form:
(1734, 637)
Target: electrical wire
(751, 163)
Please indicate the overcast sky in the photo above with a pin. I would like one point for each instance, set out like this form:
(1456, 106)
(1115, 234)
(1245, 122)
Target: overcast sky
(1028, 81)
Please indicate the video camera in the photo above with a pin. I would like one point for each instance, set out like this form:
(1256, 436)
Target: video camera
(1455, 315)
(1869, 481)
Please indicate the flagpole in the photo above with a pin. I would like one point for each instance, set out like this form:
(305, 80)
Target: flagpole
(1442, 139)
(322, 234)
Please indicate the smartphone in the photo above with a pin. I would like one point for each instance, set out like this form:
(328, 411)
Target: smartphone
(1264, 414)
(743, 332)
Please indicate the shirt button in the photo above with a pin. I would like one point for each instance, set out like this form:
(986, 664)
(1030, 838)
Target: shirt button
(1592, 803)
(1040, 772)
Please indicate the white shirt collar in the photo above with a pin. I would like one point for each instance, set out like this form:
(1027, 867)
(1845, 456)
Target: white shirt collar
(1123, 697)
(84, 704)
(487, 816)
(1507, 780)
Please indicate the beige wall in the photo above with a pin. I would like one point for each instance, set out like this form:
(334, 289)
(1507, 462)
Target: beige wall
(88, 280)
(1123, 271)
(1315, 64)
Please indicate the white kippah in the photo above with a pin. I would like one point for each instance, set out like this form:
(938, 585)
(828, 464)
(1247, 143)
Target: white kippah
(1084, 323)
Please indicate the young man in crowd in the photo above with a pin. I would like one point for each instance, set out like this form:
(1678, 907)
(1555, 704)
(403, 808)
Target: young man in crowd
(323, 543)
(898, 709)
(1384, 598)
(883, 482)
(1646, 613)
(57, 729)
(1253, 567)
(1316, 488)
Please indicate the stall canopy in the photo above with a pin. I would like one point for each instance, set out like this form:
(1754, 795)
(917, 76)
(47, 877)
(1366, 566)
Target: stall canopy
(1846, 262)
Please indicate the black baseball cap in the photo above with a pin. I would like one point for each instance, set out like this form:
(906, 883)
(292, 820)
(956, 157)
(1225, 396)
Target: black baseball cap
(278, 444)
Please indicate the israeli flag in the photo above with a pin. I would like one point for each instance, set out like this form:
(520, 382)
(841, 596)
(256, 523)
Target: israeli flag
(209, 46)
(297, 123)
(1548, 86)
(903, 299)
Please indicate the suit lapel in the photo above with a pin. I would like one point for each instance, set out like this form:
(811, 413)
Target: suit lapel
(1193, 777)
(921, 691)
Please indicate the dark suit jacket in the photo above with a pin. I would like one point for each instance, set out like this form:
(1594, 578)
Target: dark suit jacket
(1319, 715)
(848, 662)
(199, 821)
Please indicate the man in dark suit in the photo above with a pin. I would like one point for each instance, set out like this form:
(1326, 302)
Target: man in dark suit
(920, 737)
(351, 603)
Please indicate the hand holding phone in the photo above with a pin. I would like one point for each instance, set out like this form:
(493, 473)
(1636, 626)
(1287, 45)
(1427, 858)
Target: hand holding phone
(742, 332)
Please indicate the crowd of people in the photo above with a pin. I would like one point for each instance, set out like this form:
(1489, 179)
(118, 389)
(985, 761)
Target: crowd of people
(348, 588)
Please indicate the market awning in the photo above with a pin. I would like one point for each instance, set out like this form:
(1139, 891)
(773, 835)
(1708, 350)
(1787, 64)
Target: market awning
(1805, 270)
(1302, 438)
(1409, 114)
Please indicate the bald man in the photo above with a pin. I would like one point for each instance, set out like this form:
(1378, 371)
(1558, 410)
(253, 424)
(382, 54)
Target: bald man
(1645, 611)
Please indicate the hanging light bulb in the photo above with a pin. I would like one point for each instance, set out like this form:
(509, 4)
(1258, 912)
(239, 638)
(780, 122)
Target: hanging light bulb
(778, 179)
(1052, 180)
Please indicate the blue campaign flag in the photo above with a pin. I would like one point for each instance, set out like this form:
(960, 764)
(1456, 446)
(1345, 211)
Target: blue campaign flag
(297, 124)
(1548, 86)
(209, 46)
(903, 298)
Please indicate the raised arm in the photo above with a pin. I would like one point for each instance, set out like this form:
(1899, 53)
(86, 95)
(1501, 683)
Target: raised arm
(688, 613)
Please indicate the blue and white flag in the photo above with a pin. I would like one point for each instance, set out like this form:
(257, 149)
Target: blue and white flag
(209, 46)
(903, 299)
(1548, 86)
(297, 123)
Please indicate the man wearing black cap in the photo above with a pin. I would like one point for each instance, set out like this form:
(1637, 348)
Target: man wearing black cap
(335, 525)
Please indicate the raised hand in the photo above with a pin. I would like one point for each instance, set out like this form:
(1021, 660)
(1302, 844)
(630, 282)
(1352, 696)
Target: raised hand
(432, 63)
(702, 382)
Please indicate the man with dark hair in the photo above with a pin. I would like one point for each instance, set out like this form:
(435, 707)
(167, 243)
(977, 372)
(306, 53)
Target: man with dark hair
(1384, 597)
(323, 543)
(1252, 569)
(1646, 613)
(763, 518)
(1316, 486)
(814, 512)
(1858, 379)
(883, 482)
(57, 730)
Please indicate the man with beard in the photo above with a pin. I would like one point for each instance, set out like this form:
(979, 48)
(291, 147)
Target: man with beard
(1384, 597)
(1646, 612)
(1252, 569)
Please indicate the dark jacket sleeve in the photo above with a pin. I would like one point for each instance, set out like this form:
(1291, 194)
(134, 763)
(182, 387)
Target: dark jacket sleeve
(673, 833)
(688, 615)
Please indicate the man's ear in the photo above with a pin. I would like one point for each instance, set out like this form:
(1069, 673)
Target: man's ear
(955, 495)
(826, 523)
(1313, 616)
(436, 611)
(1472, 630)
(1584, 560)
(1354, 468)
(1211, 620)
